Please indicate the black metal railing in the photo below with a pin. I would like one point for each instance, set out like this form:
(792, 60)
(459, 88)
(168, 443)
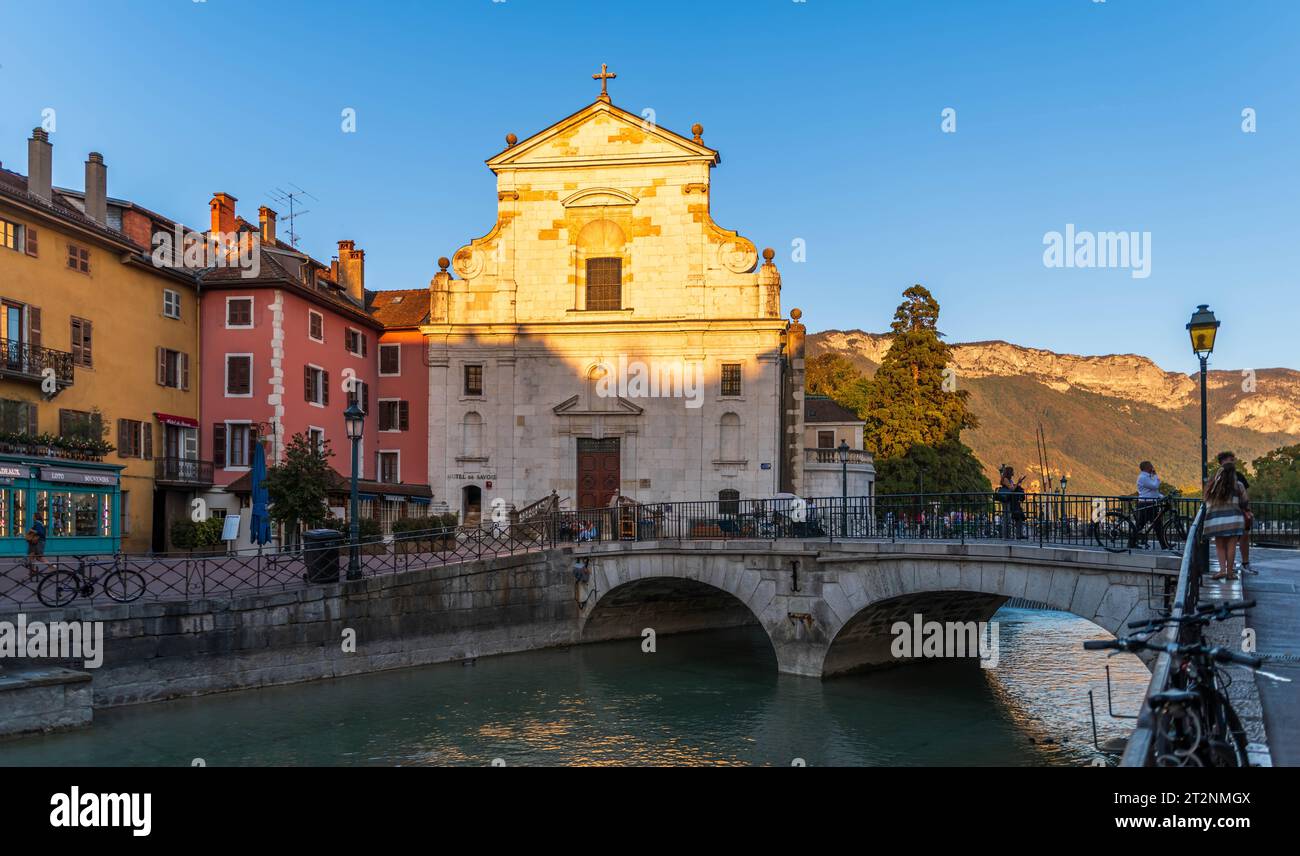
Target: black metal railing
(29, 362)
(1043, 519)
(246, 571)
(1140, 749)
(183, 471)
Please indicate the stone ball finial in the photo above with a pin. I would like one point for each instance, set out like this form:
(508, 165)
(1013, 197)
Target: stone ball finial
(698, 130)
(511, 139)
(769, 254)
(443, 261)
(796, 314)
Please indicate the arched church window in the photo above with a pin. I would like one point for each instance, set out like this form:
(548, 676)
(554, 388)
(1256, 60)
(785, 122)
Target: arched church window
(729, 437)
(601, 256)
(472, 435)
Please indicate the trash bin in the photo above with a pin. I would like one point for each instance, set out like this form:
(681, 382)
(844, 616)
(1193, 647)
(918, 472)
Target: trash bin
(320, 550)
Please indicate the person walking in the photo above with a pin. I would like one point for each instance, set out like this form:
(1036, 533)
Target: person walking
(1224, 520)
(1149, 496)
(36, 547)
(1244, 543)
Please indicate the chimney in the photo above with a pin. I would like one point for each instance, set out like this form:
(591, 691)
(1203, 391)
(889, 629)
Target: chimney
(223, 213)
(97, 189)
(39, 159)
(352, 271)
(266, 217)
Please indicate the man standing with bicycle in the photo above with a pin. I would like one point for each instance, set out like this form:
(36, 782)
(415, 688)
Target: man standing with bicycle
(1148, 508)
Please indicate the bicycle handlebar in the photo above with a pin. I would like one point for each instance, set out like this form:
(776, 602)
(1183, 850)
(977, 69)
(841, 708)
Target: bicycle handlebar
(1204, 614)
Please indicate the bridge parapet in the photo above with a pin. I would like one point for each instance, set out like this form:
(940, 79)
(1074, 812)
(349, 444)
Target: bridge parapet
(827, 607)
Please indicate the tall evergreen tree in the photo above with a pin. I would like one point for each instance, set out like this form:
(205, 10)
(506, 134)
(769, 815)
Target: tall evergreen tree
(907, 404)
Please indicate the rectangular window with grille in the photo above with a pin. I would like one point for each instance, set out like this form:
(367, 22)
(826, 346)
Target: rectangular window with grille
(604, 284)
(473, 380)
(731, 379)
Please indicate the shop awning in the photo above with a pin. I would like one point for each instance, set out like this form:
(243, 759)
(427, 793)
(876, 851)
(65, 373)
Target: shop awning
(181, 421)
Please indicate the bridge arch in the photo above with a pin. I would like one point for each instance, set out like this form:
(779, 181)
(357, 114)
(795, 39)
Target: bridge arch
(828, 608)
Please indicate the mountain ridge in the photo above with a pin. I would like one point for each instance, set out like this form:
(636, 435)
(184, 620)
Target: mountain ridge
(1102, 414)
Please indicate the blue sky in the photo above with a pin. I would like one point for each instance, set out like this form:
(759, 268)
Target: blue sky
(1115, 116)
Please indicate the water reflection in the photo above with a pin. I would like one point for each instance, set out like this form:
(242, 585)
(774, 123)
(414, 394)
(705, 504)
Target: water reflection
(701, 699)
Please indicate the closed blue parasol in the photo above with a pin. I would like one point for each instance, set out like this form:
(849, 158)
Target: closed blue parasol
(259, 530)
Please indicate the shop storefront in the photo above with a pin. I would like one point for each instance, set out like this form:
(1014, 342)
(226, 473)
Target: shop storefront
(79, 503)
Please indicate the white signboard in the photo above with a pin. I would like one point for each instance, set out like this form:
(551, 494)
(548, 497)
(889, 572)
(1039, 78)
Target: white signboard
(230, 530)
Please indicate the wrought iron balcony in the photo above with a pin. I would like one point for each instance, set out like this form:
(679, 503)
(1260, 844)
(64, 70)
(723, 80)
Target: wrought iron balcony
(182, 471)
(26, 362)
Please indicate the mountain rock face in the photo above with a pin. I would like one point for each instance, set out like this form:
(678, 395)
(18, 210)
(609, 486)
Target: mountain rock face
(1102, 414)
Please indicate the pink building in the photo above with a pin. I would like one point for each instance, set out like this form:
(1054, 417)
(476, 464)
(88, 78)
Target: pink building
(403, 387)
(286, 344)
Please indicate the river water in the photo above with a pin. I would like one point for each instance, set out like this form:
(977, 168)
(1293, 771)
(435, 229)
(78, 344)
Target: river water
(710, 698)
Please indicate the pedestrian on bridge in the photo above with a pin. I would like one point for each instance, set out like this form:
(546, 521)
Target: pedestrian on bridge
(1225, 520)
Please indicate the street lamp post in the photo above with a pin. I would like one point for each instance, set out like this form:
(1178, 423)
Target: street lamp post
(843, 450)
(1202, 328)
(355, 421)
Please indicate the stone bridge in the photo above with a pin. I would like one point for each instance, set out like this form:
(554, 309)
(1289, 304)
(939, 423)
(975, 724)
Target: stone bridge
(828, 608)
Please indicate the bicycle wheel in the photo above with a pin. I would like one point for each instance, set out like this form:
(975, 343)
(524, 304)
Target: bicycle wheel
(1112, 533)
(1175, 530)
(1228, 741)
(124, 586)
(58, 588)
(1178, 735)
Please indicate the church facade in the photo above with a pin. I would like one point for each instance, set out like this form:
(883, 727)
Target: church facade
(605, 337)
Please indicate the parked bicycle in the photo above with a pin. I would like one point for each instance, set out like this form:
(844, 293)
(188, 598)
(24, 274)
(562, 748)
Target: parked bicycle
(1195, 723)
(1119, 529)
(62, 586)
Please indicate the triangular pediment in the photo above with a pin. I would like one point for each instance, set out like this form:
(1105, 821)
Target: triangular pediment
(601, 134)
(616, 405)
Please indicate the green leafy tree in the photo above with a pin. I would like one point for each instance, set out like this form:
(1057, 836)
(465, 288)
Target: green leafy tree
(834, 376)
(906, 404)
(1277, 476)
(950, 467)
(299, 487)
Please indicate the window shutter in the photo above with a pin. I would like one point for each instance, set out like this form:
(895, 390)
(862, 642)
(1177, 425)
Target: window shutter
(185, 371)
(76, 341)
(219, 445)
(324, 387)
(87, 333)
(252, 441)
(146, 442)
(31, 241)
(34, 326)
(123, 439)
(161, 354)
(363, 344)
(404, 415)
(32, 427)
(365, 398)
(63, 423)
(306, 383)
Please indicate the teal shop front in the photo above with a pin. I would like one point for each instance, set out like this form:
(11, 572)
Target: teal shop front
(79, 502)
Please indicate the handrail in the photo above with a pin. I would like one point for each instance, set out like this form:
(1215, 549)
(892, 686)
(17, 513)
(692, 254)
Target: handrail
(1140, 749)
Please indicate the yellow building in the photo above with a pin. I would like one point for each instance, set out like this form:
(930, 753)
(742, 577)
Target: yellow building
(98, 346)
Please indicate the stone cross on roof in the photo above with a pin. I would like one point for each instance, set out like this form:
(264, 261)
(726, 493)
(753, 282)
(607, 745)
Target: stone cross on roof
(604, 77)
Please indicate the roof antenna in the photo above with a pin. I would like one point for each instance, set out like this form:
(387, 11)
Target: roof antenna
(290, 198)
